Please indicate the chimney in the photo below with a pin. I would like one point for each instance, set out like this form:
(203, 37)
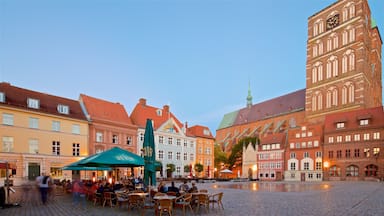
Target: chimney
(143, 101)
(166, 109)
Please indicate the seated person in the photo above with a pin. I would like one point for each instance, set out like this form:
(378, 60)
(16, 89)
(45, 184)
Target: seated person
(193, 188)
(184, 186)
(174, 189)
(162, 188)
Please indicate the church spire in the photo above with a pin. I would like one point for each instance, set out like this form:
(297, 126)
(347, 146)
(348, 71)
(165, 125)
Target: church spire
(249, 97)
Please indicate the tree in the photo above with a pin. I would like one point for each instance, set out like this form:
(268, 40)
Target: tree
(199, 168)
(237, 150)
(187, 168)
(170, 169)
(220, 156)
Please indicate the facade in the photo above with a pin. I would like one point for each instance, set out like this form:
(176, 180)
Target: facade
(109, 126)
(343, 73)
(303, 153)
(40, 133)
(352, 145)
(172, 145)
(204, 149)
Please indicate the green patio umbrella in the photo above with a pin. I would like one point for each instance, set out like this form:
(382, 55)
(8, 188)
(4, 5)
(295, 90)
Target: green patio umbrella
(114, 157)
(76, 166)
(149, 155)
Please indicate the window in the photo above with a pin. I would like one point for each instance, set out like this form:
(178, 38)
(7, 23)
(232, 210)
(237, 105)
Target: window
(141, 137)
(316, 143)
(129, 140)
(178, 155)
(99, 137)
(56, 126)
(192, 157)
(161, 139)
(33, 146)
(363, 122)
(330, 139)
(376, 135)
(7, 144)
(185, 143)
(376, 151)
(192, 144)
(371, 170)
(297, 145)
(2, 97)
(330, 154)
(319, 154)
(33, 123)
(347, 153)
(340, 125)
(366, 152)
(334, 171)
(76, 149)
(7, 119)
(208, 151)
(356, 137)
(55, 147)
(338, 154)
(293, 166)
(76, 129)
(178, 142)
(33, 103)
(63, 109)
(366, 136)
(318, 165)
(292, 145)
(170, 140)
(185, 156)
(357, 153)
(293, 155)
(348, 138)
(115, 139)
(352, 171)
(178, 170)
(339, 139)
(306, 165)
(170, 154)
(161, 154)
(306, 154)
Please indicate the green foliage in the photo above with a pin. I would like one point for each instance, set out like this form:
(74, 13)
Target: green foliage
(171, 168)
(187, 168)
(237, 150)
(199, 167)
(220, 156)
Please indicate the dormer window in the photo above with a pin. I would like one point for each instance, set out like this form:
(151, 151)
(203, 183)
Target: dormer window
(159, 112)
(33, 103)
(340, 125)
(2, 97)
(206, 132)
(363, 122)
(63, 109)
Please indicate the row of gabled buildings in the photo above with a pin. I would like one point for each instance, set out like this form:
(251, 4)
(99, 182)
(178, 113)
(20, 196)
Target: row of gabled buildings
(333, 129)
(41, 133)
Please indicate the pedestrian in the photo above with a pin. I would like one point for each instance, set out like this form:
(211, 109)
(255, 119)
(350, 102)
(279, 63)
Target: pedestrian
(184, 187)
(78, 193)
(43, 183)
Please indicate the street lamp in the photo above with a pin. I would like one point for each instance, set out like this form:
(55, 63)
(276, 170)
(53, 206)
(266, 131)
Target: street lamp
(326, 165)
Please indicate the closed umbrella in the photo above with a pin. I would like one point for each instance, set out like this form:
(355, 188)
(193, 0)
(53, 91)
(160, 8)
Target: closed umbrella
(149, 155)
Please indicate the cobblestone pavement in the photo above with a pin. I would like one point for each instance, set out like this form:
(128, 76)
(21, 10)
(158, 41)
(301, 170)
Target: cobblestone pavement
(240, 198)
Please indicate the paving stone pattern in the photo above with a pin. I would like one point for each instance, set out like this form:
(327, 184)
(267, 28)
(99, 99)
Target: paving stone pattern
(240, 198)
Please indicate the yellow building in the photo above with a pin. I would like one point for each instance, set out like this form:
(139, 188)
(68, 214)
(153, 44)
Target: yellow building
(204, 149)
(40, 133)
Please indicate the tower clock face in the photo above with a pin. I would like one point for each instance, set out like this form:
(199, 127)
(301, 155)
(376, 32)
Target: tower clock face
(333, 21)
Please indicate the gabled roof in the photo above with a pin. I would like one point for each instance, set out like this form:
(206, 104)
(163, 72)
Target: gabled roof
(142, 112)
(273, 138)
(99, 109)
(48, 104)
(351, 119)
(292, 102)
(199, 131)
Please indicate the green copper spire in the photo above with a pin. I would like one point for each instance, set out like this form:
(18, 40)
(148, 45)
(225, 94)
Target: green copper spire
(249, 97)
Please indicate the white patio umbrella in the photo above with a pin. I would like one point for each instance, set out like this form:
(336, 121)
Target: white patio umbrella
(226, 172)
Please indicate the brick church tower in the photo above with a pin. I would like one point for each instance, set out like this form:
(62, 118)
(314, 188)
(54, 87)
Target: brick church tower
(343, 69)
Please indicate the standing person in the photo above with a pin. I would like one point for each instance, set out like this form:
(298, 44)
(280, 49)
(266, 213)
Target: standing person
(78, 193)
(43, 183)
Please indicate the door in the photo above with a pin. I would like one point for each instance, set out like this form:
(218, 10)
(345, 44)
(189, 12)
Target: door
(33, 171)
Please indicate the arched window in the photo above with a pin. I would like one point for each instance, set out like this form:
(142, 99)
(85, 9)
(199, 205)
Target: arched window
(328, 101)
(352, 61)
(317, 72)
(348, 11)
(344, 95)
(351, 34)
(352, 170)
(319, 101)
(314, 74)
(345, 38)
(332, 67)
(318, 27)
(334, 171)
(371, 170)
(351, 93)
(335, 66)
(334, 97)
(348, 93)
(314, 103)
(344, 64)
(348, 61)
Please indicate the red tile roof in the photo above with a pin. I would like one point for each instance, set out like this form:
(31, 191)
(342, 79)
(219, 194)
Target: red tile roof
(351, 118)
(142, 112)
(273, 138)
(17, 97)
(99, 109)
(199, 131)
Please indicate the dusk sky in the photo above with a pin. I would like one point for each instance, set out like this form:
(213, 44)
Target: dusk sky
(198, 56)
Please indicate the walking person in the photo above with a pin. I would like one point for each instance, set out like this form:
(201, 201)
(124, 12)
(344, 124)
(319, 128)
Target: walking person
(43, 182)
(78, 193)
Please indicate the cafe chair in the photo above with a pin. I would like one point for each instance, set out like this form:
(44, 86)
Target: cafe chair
(216, 199)
(165, 206)
(203, 201)
(184, 201)
(121, 199)
(110, 198)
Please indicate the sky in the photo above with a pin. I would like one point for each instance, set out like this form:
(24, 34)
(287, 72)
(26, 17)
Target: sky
(200, 57)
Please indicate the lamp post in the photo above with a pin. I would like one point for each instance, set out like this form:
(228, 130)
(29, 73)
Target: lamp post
(326, 165)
